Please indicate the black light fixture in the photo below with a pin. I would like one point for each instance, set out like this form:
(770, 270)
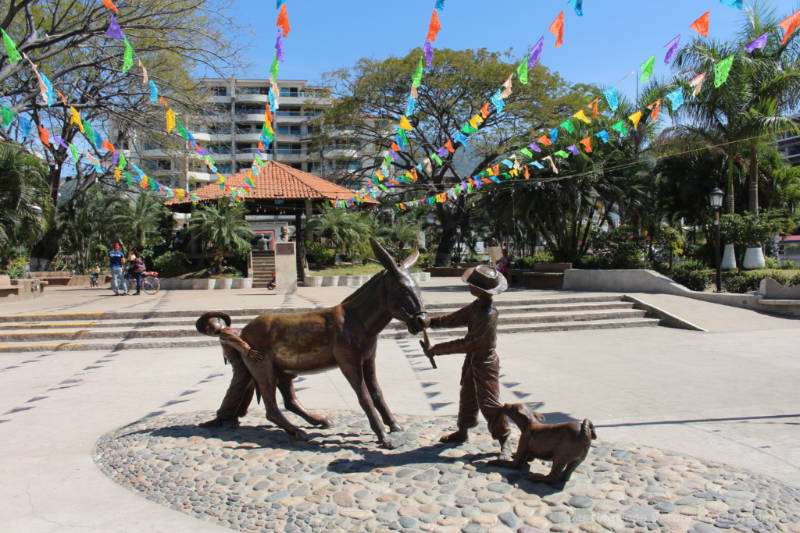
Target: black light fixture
(715, 198)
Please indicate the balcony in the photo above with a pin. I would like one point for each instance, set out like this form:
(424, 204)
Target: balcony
(203, 177)
(291, 157)
(251, 98)
(334, 153)
(251, 136)
(155, 153)
(220, 99)
(218, 157)
(290, 119)
(219, 137)
(249, 117)
(305, 100)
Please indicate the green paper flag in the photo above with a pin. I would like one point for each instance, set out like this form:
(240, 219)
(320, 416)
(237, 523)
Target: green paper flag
(402, 135)
(468, 129)
(122, 162)
(273, 70)
(258, 159)
(8, 116)
(567, 125)
(153, 185)
(182, 130)
(522, 71)
(620, 127)
(74, 151)
(647, 69)
(11, 48)
(89, 132)
(721, 70)
(387, 161)
(562, 154)
(436, 158)
(417, 79)
(127, 59)
(128, 179)
(526, 152)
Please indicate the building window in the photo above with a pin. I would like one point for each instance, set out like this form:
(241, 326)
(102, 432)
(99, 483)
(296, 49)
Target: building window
(249, 109)
(150, 165)
(312, 130)
(314, 167)
(289, 91)
(219, 128)
(289, 130)
(288, 112)
(221, 109)
(289, 148)
(354, 165)
(224, 168)
(245, 148)
(164, 164)
(219, 91)
(219, 148)
(312, 112)
(252, 90)
(298, 166)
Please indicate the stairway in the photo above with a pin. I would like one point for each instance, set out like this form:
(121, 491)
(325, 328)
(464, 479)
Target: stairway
(263, 267)
(166, 329)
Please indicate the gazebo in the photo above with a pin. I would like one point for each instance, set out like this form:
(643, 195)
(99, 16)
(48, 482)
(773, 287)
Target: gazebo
(279, 190)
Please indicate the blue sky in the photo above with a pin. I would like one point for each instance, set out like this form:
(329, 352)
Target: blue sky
(612, 38)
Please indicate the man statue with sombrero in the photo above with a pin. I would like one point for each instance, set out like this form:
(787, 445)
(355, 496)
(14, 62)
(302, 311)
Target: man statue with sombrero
(480, 385)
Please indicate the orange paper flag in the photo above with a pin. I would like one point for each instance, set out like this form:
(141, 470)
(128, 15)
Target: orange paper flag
(449, 146)
(108, 146)
(63, 100)
(544, 140)
(655, 106)
(434, 28)
(395, 147)
(527, 173)
(485, 110)
(283, 21)
(110, 5)
(587, 144)
(44, 135)
(557, 28)
(701, 25)
(789, 24)
(496, 170)
(593, 106)
(261, 146)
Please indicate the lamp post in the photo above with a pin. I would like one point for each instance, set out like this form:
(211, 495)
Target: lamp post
(715, 199)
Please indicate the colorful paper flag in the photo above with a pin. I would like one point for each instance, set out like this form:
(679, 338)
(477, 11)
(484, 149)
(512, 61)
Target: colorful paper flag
(536, 53)
(612, 98)
(44, 135)
(108, 146)
(11, 49)
(722, 69)
(283, 21)
(75, 118)
(567, 125)
(405, 124)
(434, 27)
(697, 83)
(127, 58)
(553, 135)
(153, 92)
(557, 29)
(114, 31)
(587, 144)
(110, 5)
(75, 155)
(701, 24)
(90, 133)
(544, 140)
(732, 3)
(759, 42)
(275, 67)
(656, 107)
(573, 149)
(620, 127)
(50, 98)
(647, 69)
(577, 5)
(8, 116)
(416, 80)
(549, 158)
(427, 49)
(594, 106)
(439, 5)
(676, 98)
(789, 24)
(522, 71)
(580, 115)
(635, 118)
(170, 120)
(535, 147)
(671, 47)
(603, 135)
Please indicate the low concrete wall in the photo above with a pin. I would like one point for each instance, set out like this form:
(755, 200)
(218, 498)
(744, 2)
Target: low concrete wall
(640, 280)
(353, 281)
(175, 284)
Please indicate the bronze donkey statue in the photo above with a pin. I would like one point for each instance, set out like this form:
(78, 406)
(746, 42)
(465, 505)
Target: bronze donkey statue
(275, 348)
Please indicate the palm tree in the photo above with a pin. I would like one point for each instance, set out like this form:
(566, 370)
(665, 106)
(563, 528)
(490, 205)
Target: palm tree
(342, 229)
(26, 210)
(139, 218)
(222, 230)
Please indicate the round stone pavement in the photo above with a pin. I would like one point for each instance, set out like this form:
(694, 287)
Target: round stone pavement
(256, 478)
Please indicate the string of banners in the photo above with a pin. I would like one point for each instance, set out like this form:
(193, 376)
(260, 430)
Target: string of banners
(381, 180)
(511, 166)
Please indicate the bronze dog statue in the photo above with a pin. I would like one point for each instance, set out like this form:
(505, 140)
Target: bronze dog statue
(565, 444)
(275, 348)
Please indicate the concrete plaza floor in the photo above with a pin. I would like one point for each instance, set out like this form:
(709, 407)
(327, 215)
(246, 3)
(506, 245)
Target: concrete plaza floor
(729, 395)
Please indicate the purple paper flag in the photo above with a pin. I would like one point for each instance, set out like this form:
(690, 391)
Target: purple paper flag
(114, 31)
(478, 183)
(536, 53)
(114, 159)
(442, 152)
(202, 151)
(671, 47)
(394, 155)
(759, 42)
(279, 47)
(574, 149)
(60, 142)
(534, 147)
(428, 50)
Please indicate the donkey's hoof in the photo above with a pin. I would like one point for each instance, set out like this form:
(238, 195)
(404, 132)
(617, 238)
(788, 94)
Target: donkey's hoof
(323, 422)
(299, 434)
(228, 423)
(388, 443)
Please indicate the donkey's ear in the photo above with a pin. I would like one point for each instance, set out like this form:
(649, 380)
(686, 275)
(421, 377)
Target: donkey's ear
(383, 256)
(411, 259)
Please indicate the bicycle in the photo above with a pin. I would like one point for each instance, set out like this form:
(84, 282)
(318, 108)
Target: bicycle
(150, 282)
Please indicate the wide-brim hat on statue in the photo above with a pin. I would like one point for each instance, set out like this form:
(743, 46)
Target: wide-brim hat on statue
(485, 279)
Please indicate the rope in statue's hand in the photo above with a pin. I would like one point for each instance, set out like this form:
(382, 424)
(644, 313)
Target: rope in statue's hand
(426, 346)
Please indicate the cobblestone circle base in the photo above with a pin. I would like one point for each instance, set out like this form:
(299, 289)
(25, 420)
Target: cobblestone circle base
(256, 478)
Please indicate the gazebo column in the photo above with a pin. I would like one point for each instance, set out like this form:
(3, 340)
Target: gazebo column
(300, 247)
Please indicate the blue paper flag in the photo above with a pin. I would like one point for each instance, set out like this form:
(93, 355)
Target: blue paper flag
(507, 162)
(498, 102)
(603, 135)
(676, 98)
(51, 94)
(26, 127)
(153, 92)
(577, 5)
(439, 5)
(460, 137)
(553, 135)
(537, 164)
(412, 104)
(732, 3)
(612, 98)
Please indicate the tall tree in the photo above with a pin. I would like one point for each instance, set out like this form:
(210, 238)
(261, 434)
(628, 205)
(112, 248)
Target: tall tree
(222, 230)
(373, 95)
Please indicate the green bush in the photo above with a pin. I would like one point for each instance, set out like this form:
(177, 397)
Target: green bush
(524, 262)
(789, 265)
(691, 274)
(425, 260)
(748, 281)
(594, 261)
(320, 254)
(171, 264)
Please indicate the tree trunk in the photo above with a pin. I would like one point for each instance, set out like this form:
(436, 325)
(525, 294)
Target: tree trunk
(730, 206)
(752, 200)
(444, 252)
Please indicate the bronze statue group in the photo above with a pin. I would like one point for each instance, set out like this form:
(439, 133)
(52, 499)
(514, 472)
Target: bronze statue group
(269, 352)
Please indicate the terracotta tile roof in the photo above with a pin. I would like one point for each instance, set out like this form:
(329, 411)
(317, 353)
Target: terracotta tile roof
(276, 181)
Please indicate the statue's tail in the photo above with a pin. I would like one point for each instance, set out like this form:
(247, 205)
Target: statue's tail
(211, 323)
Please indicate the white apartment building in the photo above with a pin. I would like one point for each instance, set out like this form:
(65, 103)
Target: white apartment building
(231, 130)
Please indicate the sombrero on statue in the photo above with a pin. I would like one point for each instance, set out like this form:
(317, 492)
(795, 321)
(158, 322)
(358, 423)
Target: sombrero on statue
(485, 279)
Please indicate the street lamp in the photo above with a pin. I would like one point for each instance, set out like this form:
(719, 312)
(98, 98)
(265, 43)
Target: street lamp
(715, 199)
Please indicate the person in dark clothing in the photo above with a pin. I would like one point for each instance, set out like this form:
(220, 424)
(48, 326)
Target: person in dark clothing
(137, 270)
(480, 373)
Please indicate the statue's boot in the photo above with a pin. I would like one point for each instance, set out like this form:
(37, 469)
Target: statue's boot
(456, 437)
(227, 423)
